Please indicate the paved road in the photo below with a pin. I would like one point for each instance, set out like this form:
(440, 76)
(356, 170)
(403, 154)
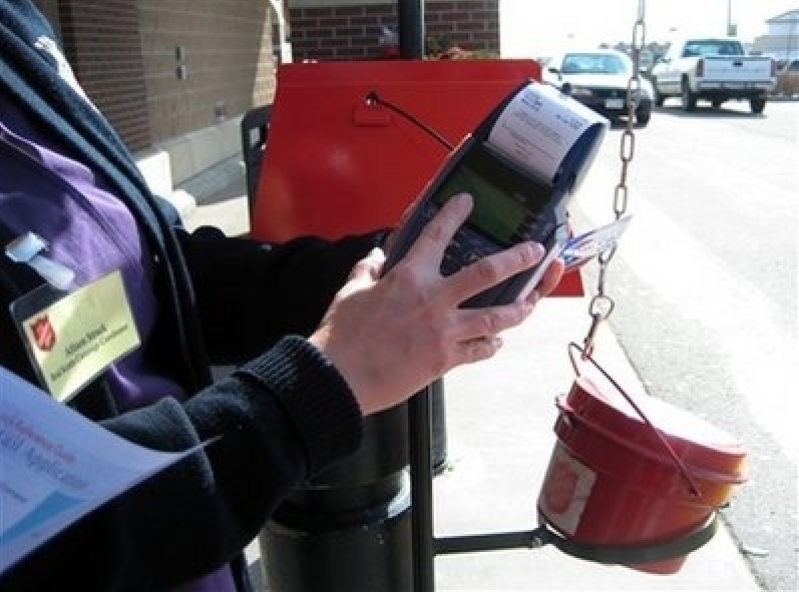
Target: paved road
(705, 283)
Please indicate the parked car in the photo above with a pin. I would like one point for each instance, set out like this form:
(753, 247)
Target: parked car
(787, 77)
(599, 79)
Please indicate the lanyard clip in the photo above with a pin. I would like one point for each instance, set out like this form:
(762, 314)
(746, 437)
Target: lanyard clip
(28, 249)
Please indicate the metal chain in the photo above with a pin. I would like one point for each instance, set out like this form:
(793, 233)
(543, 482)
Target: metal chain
(602, 305)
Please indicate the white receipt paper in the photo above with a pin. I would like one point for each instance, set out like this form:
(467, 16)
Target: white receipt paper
(541, 126)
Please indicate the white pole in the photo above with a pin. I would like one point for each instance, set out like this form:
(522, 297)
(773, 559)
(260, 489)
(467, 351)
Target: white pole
(285, 46)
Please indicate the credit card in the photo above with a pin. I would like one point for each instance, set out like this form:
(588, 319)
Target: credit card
(580, 249)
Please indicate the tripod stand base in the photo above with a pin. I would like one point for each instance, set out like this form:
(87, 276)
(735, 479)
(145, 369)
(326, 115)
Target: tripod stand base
(637, 556)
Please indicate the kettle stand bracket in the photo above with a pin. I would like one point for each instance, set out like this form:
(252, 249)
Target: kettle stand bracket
(425, 545)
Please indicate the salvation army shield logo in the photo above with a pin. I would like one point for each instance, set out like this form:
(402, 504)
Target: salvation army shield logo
(561, 485)
(43, 333)
(566, 490)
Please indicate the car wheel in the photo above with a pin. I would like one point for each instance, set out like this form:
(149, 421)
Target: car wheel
(757, 105)
(717, 103)
(688, 98)
(643, 114)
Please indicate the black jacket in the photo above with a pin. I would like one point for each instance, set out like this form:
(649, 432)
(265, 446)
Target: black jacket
(284, 415)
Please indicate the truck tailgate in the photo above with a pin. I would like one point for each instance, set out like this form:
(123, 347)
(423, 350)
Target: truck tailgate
(737, 69)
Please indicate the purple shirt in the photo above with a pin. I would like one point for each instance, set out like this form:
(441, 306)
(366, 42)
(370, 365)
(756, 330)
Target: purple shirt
(93, 233)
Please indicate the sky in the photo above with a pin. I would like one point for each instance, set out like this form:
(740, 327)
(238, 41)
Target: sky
(531, 28)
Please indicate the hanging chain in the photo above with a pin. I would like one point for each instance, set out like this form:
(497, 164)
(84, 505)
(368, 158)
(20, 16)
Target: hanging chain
(602, 305)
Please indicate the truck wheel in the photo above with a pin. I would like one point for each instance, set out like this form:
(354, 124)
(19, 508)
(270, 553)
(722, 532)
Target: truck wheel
(688, 98)
(757, 104)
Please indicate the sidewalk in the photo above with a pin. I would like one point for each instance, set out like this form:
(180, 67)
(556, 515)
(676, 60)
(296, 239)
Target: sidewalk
(499, 418)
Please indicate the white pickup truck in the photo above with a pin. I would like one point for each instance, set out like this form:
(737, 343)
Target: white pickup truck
(715, 70)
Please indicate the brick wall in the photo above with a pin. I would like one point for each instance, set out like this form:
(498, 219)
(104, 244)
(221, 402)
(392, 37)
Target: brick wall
(102, 42)
(470, 24)
(204, 61)
(160, 69)
(341, 30)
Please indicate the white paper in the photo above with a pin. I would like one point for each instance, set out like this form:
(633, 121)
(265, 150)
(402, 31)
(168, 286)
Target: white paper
(56, 466)
(539, 127)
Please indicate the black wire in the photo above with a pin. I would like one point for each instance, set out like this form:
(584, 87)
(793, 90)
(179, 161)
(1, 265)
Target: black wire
(373, 98)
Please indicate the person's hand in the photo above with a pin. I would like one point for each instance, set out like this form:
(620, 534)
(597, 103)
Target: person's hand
(391, 336)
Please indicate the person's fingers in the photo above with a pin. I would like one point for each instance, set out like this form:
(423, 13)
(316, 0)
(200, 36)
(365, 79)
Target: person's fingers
(493, 269)
(549, 281)
(488, 322)
(370, 265)
(438, 232)
(476, 350)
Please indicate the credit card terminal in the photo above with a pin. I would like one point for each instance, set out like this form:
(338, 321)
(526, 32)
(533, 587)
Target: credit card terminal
(518, 194)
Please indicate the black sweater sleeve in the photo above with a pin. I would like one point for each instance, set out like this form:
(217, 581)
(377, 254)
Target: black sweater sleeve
(251, 293)
(279, 419)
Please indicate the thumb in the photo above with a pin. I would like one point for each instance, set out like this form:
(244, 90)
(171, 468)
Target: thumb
(368, 269)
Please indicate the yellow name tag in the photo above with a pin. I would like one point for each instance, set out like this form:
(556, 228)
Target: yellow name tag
(78, 336)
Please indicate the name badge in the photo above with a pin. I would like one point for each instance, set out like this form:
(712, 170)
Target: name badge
(74, 337)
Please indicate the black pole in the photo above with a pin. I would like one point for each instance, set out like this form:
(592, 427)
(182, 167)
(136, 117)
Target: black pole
(411, 28)
(349, 528)
(412, 46)
(422, 536)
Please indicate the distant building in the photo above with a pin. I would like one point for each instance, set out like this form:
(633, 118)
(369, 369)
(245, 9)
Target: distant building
(782, 39)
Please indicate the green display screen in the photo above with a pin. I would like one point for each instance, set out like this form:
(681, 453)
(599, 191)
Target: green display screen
(504, 201)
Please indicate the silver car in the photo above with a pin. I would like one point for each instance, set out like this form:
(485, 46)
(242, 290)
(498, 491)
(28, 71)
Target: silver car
(599, 79)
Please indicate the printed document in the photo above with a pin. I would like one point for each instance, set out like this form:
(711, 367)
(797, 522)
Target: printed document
(56, 466)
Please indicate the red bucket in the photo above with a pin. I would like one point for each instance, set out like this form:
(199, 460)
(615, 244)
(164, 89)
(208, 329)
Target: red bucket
(634, 475)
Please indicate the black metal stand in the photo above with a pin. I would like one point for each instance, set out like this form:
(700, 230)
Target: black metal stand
(425, 545)
(348, 528)
(421, 468)
(410, 15)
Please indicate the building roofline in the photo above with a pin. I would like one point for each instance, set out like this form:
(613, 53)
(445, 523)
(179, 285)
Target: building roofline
(785, 17)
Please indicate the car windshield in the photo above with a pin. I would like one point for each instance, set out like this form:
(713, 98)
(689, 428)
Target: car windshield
(592, 63)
